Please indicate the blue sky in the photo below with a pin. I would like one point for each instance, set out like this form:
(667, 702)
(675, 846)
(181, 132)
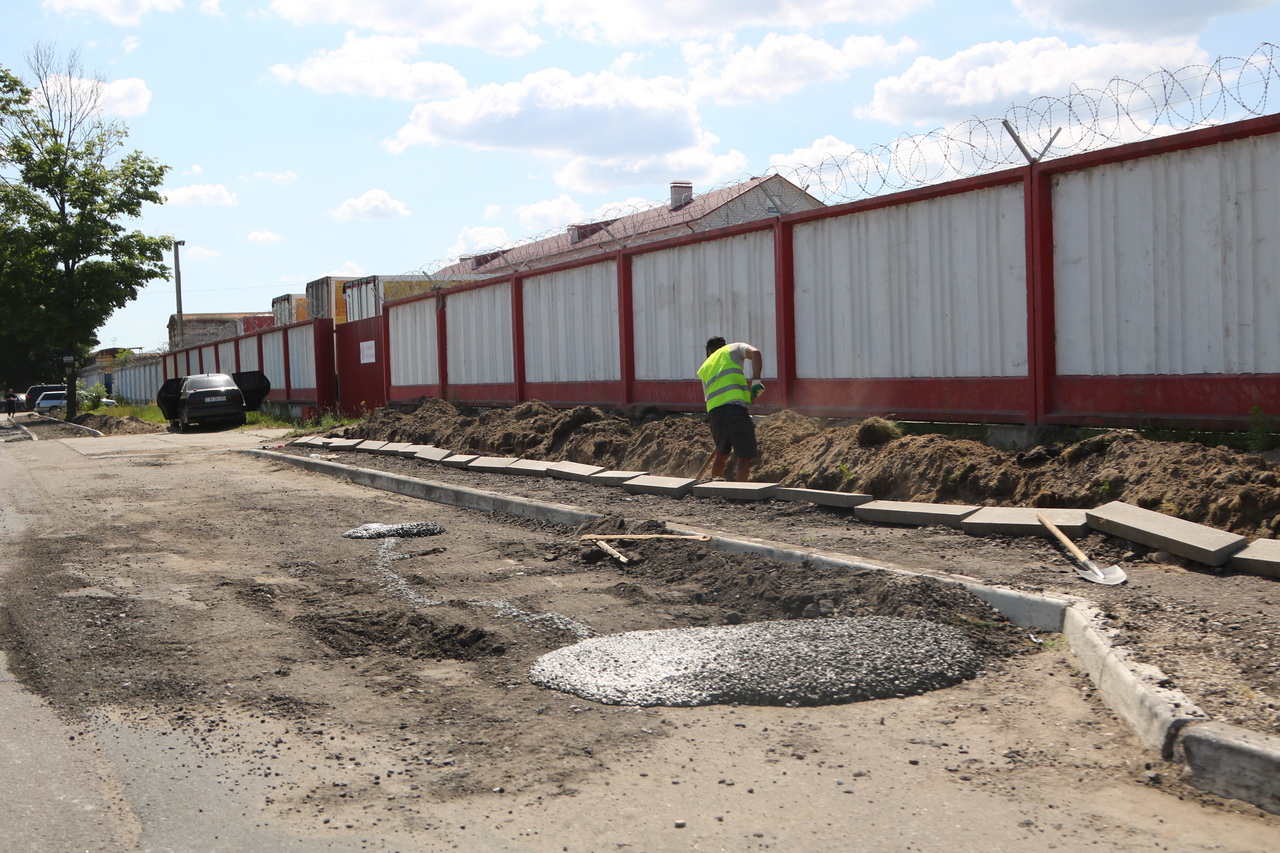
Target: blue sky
(356, 137)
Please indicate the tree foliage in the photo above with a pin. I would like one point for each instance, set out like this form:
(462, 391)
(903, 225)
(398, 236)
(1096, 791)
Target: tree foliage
(67, 191)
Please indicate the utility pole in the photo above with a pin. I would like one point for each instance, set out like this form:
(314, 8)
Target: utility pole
(177, 281)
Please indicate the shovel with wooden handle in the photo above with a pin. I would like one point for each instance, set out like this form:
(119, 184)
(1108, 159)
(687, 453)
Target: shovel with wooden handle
(1085, 567)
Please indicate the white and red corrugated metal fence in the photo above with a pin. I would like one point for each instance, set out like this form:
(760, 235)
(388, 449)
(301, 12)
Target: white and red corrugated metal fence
(1140, 284)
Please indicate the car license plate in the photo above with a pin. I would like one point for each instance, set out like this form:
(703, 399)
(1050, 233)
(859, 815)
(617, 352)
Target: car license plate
(221, 399)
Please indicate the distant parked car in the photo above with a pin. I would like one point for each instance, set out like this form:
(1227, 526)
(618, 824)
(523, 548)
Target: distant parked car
(34, 392)
(211, 398)
(108, 402)
(49, 401)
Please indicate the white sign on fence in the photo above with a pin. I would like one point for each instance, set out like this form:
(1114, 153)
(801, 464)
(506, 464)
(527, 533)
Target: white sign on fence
(368, 353)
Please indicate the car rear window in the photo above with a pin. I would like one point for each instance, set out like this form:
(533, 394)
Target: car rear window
(214, 381)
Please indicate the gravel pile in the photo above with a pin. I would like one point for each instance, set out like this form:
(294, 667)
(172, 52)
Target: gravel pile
(803, 662)
(395, 531)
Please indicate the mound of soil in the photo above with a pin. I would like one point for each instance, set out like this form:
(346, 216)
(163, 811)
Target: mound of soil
(1238, 492)
(112, 425)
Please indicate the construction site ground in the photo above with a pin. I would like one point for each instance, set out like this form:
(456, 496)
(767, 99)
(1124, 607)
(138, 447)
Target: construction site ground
(227, 665)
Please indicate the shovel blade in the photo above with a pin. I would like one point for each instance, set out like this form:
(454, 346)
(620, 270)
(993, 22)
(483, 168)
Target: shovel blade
(1110, 576)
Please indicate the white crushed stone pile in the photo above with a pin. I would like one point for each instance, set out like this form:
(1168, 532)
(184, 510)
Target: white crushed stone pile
(395, 531)
(804, 662)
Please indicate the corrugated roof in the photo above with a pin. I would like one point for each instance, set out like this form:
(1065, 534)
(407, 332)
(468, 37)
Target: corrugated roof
(640, 227)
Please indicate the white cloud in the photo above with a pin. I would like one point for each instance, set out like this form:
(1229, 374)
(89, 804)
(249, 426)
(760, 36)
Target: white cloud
(195, 253)
(204, 194)
(376, 65)
(212, 7)
(194, 170)
(985, 79)
(277, 177)
(1132, 19)
(498, 26)
(264, 237)
(507, 26)
(553, 112)
(698, 164)
(552, 213)
(130, 43)
(350, 268)
(123, 13)
(478, 238)
(630, 21)
(128, 97)
(492, 211)
(375, 204)
(782, 64)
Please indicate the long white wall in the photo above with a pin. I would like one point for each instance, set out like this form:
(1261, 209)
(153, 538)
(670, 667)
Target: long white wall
(302, 358)
(933, 288)
(1171, 264)
(681, 297)
(414, 357)
(571, 325)
(480, 345)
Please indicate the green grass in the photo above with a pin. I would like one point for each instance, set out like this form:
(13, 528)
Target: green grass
(152, 414)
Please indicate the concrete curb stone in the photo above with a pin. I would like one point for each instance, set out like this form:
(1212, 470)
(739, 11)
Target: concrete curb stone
(822, 497)
(1261, 557)
(1175, 535)
(913, 512)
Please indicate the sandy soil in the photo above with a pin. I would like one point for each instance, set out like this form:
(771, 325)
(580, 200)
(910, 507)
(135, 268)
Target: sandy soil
(353, 692)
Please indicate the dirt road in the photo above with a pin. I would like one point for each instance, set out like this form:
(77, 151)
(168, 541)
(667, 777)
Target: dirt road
(229, 672)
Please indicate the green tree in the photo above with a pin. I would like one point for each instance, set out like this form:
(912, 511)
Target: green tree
(67, 189)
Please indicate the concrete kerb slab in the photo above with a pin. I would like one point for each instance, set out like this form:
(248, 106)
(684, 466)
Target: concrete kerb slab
(1177, 536)
(822, 497)
(1133, 690)
(1022, 521)
(1231, 761)
(914, 513)
(436, 492)
(573, 471)
(1226, 760)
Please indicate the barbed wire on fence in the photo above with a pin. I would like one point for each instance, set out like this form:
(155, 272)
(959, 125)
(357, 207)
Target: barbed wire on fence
(1162, 103)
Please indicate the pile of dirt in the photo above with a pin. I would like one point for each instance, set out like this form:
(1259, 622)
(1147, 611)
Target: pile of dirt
(112, 425)
(1238, 492)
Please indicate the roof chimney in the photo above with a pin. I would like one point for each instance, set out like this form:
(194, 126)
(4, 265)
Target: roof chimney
(681, 194)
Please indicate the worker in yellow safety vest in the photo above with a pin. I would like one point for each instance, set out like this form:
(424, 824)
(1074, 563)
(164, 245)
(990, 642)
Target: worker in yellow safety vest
(728, 392)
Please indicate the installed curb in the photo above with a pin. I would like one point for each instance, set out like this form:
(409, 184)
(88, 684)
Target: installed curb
(1223, 759)
(435, 492)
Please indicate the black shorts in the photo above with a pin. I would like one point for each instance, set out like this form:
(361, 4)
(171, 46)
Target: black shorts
(732, 430)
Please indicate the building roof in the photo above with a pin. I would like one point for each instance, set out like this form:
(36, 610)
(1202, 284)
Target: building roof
(700, 213)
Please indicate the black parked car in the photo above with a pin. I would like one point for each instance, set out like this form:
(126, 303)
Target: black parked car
(208, 398)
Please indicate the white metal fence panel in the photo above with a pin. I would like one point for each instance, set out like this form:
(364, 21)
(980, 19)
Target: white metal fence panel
(1170, 265)
(480, 350)
(248, 353)
(207, 356)
(138, 383)
(935, 288)
(414, 359)
(302, 356)
(273, 358)
(571, 325)
(227, 357)
(681, 297)
(363, 298)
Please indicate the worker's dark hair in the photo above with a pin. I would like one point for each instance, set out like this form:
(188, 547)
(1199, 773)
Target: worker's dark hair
(714, 344)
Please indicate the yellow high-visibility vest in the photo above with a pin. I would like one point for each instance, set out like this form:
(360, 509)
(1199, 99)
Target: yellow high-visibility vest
(722, 379)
